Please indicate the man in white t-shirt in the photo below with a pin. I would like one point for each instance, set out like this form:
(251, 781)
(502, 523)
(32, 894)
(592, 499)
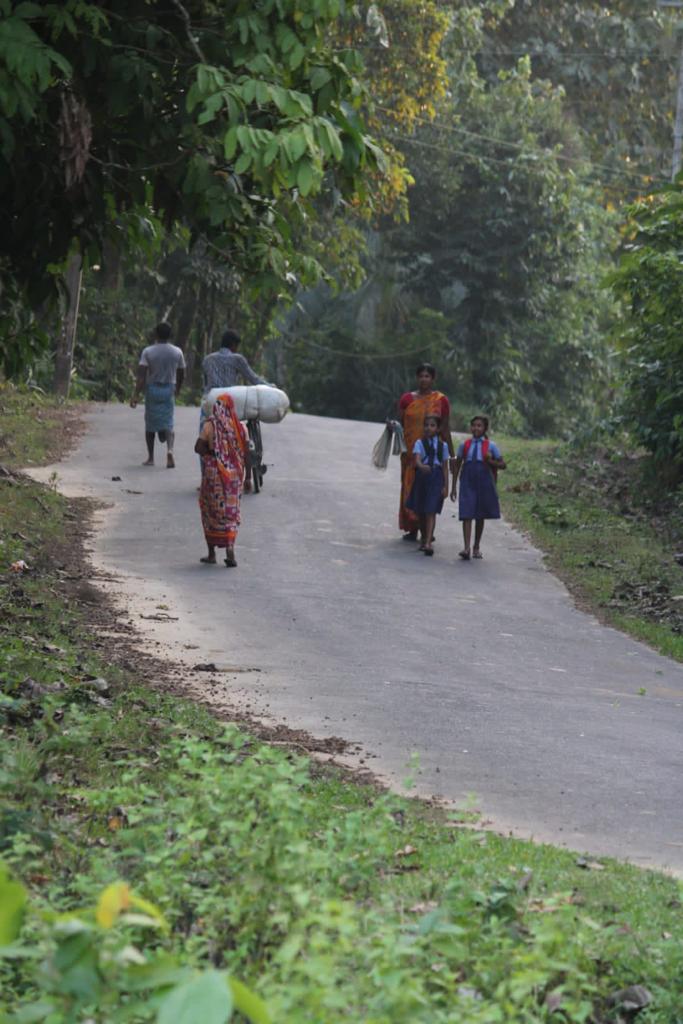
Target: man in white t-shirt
(160, 375)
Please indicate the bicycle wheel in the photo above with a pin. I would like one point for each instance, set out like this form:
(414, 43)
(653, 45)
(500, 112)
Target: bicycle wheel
(254, 429)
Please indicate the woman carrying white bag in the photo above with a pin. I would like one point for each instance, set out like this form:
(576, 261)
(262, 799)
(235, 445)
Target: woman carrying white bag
(260, 403)
(221, 372)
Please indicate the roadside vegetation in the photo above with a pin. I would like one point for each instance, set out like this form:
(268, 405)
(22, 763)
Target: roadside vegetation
(608, 529)
(171, 861)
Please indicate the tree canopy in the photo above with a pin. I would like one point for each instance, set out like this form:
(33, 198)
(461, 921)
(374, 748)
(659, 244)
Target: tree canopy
(223, 116)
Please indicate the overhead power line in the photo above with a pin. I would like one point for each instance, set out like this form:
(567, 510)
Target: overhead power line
(363, 355)
(525, 52)
(520, 146)
(597, 182)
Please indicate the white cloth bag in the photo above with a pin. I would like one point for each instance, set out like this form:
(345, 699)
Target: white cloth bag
(269, 404)
(392, 440)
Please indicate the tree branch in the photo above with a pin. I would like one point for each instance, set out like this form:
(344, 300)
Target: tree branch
(188, 29)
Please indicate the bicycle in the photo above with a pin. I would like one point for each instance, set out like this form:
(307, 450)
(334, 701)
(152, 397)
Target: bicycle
(258, 467)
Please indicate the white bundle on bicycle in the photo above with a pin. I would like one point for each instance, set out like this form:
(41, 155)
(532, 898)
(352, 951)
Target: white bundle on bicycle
(252, 401)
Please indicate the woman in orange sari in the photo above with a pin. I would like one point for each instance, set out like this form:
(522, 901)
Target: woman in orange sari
(226, 466)
(413, 406)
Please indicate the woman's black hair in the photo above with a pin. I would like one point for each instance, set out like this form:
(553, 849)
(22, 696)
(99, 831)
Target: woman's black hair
(433, 449)
(428, 367)
(484, 420)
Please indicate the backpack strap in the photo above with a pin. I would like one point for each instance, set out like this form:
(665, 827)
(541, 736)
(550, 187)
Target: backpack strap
(484, 449)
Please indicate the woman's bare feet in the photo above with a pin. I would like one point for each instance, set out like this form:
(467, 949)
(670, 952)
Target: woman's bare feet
(477, 553)
(464, 554)
(149, 462)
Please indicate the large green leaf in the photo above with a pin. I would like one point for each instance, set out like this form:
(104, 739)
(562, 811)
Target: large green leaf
(248, 1003)
(12, 907)
(304, 177)
(206, 999)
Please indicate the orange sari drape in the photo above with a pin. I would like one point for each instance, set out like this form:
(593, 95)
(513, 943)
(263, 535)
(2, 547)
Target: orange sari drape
(223, 476)
(413, 429)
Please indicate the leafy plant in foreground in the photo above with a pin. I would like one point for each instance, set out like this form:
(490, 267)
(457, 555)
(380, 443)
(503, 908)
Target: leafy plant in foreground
(89, 964)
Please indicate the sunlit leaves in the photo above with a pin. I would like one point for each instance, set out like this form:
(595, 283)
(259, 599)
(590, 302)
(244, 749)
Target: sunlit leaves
(12, 906)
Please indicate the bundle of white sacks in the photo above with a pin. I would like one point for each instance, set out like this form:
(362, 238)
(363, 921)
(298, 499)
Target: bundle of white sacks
(269, 404)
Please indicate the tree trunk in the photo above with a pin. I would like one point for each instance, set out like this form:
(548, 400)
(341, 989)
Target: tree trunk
(187, 304)
(64, 357)
(196, 353)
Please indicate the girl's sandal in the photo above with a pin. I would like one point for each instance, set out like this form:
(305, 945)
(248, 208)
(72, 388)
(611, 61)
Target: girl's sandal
(477, 553)
(428, 551)
(464, 554)
(207, 560)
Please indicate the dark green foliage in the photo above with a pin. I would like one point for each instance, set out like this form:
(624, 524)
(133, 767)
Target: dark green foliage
(224, 117)
(616, 63)
(649, 281)
(506, 242)
(555, 113)
(496, 277)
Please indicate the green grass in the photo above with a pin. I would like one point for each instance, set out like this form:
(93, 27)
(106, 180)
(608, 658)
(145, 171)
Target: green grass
(335, 901)
(589, 512)
(32, 426)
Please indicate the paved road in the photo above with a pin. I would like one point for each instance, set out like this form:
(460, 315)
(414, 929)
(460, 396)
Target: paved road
(332, 624)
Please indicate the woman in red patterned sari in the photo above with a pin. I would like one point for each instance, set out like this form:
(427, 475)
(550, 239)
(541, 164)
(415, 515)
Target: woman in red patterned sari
(413, 406)
(226, 466)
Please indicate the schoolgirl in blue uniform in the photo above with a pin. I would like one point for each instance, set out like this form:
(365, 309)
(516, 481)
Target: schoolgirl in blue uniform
(477, 462)
(431, 480)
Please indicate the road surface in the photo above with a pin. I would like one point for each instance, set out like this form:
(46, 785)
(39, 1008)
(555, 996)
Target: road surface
(511, 699)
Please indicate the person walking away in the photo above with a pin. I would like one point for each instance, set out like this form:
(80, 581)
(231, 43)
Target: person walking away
(477, 463)
(226, 468)
(413, 406)
(224, 368)
(160, 376)
(430, 487)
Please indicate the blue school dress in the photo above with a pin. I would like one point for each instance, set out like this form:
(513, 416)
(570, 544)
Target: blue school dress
(426, 496)
(478, 494)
